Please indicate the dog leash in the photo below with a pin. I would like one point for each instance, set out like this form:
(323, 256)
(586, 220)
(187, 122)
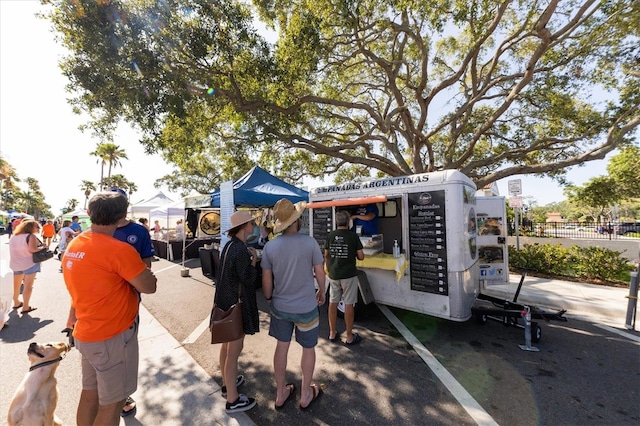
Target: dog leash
(44, 364)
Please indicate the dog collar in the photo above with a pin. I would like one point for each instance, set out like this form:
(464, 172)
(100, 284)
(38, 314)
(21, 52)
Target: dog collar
(44, 364)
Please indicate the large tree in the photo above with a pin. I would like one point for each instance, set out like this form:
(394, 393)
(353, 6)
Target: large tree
(491, 88)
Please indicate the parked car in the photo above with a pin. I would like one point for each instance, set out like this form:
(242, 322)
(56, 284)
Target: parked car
(626, 228)
(604, 229)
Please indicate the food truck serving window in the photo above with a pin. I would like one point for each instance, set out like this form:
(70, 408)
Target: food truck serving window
(388, 209)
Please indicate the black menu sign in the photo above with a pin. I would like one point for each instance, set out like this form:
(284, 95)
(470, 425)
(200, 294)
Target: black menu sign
(428, 242)
(322, 224)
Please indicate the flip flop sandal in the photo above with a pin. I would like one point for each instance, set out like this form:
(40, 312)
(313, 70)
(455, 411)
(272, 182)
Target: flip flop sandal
(131, 412)
(26, 311)
(317, 393)
(18, 306)
(335, 339)
(355, 340)
(292, 392)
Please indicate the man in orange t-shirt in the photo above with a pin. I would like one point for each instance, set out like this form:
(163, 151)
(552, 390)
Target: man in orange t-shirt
(48, 231)
(102, 275)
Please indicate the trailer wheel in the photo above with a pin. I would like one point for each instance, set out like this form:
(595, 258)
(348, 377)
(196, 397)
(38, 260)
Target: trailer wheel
(536, 332)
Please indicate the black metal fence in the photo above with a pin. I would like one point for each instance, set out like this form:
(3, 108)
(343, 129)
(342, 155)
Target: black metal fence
(608, 231)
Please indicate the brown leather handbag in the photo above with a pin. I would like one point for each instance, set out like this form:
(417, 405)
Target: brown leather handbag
(227, 326)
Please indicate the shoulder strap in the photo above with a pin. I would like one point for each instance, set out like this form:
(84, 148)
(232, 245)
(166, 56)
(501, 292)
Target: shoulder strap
(39, 242)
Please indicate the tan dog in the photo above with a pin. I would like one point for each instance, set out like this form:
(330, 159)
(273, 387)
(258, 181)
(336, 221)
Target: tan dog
(36, 398)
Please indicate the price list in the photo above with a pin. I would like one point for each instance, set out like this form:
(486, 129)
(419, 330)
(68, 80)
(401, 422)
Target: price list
(322, 224)
(428, 242)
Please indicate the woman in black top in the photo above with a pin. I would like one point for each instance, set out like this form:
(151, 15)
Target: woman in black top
(238, 268)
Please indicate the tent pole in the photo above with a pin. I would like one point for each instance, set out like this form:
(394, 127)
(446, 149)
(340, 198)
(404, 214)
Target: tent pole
(184, 272)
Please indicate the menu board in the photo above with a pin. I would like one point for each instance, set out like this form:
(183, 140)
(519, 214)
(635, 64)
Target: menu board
(322, 224)
(428, 242)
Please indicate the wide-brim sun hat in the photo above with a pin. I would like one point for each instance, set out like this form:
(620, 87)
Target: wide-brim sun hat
(239, 218)
(286, 213)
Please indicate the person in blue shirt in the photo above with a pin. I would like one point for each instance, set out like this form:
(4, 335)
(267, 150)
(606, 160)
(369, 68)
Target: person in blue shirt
(366, 216)
(137, 236)
(75, 225)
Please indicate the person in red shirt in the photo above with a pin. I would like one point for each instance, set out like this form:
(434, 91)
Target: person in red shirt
(103, 277)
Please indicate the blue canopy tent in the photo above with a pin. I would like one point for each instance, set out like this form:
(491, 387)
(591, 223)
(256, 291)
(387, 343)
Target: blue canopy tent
(258, 188)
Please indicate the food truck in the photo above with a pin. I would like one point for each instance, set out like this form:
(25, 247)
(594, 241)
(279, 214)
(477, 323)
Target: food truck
(432, 218)
(452, 244)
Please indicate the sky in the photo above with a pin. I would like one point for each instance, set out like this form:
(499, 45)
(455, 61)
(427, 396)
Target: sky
(39, 133)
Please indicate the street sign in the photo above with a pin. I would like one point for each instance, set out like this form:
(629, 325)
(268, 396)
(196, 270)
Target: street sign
(515, 187)
(515, 202)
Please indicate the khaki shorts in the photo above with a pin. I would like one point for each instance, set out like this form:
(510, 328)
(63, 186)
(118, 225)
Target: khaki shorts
(346, 289)
(111, 366)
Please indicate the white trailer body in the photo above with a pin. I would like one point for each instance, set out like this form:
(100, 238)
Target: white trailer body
(433, 218)
(493, 255)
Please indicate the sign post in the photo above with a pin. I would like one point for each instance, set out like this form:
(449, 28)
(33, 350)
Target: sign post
(515, 202)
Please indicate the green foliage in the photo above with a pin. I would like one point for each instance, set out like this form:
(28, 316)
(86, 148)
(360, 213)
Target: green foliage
(550, 259)
(491, 89)
(581, 262)
(597, 263)
(624, 169)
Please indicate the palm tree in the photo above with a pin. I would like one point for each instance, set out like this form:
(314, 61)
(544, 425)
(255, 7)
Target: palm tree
(87, 186)
(108, 153)
(71, 205)
(99, 152)
(121, 182)
(8, 178)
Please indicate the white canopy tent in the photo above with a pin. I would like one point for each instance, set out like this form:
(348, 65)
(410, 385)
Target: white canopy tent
(143, 208)
(167, 214)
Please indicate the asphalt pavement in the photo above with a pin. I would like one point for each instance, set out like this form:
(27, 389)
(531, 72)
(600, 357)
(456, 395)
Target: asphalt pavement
(175, 390)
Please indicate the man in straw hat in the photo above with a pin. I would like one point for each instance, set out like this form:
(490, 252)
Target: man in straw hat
(290, 262)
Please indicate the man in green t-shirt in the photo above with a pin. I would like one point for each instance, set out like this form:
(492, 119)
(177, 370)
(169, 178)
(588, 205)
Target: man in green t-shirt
(341, 250)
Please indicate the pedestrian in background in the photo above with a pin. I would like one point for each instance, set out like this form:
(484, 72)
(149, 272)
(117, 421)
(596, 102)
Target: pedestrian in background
(144, 222)
(48, 232)
(10, 228)
(341, 250)
(66, 235)
(75, 225)
(157, 229)
(238, 271)
(104, 277)
(288, 266)
(57, 224)
(24, 243)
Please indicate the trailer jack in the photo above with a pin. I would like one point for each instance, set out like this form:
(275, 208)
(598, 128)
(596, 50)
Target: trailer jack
(510, 314)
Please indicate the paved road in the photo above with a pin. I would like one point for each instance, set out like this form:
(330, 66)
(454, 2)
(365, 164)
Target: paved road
(434, 372)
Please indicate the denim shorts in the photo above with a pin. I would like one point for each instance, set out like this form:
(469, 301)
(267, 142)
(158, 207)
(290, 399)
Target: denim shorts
(33, 270)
